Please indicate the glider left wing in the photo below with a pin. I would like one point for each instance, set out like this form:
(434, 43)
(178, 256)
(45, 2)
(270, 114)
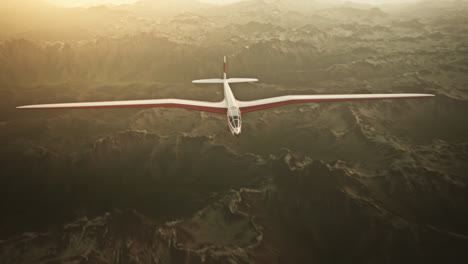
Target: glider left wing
(250, 106)
(215, 107)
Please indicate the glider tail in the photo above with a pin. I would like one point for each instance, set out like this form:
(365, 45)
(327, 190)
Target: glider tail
(230, 80)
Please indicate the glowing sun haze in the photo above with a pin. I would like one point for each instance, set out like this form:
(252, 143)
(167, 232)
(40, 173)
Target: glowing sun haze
(117, 2)
(100, 2)
(89, 2)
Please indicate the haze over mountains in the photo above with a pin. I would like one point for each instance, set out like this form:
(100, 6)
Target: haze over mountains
(337, 182)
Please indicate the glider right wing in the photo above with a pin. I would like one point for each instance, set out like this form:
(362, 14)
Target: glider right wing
(255, 105)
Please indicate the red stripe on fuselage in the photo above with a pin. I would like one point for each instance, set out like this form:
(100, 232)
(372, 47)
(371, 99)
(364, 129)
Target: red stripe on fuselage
(190, 107)
(270, 105)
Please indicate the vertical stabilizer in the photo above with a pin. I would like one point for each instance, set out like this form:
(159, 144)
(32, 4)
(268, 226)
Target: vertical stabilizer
(224, 67)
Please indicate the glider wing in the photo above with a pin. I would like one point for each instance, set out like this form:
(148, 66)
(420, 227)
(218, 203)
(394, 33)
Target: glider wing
(250, 106)
(216, 107)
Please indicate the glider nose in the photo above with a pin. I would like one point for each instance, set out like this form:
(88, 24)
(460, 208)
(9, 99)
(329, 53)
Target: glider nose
(237, 131)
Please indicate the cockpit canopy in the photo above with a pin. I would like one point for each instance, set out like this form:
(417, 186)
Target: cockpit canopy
(235, 121)
(234, 117)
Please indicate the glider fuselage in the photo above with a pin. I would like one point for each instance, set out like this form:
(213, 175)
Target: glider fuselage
(233, 112)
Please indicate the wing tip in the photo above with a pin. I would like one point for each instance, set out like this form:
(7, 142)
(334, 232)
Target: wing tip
(28, 107)
(426, 95)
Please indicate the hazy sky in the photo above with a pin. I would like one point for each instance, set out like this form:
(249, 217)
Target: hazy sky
(99, 2)
(89, 2)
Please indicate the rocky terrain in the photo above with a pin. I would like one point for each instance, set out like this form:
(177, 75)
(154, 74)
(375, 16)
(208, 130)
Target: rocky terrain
(360, 182)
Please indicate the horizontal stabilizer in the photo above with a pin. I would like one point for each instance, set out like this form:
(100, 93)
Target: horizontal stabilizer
(209, 81)
(230, 80)
(241, 80)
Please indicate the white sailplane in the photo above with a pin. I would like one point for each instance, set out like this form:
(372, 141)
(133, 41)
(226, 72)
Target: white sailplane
(230, 106)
